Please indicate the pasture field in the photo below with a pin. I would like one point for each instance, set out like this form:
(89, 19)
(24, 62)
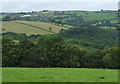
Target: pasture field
(99, 16)
(11, 26)
(114, 21)
(93, 16)
(105, 27)
(20, 28)
(68, 26)
(2, 16)
(44, 25)
(58, 75)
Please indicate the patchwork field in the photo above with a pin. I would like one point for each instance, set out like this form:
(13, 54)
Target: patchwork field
(58, 75)
(44, 25)
(30, 27)
(93, 16)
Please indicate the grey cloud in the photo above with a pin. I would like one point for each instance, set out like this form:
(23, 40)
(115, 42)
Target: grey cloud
(37, 6)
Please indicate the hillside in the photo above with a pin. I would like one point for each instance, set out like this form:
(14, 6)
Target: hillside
(30, 27)
(90, 37)
(94, 15)
(72, 18)
(52, 42)
(44, 25)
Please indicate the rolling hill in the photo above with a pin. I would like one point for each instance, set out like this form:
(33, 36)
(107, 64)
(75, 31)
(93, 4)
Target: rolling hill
(29, 27)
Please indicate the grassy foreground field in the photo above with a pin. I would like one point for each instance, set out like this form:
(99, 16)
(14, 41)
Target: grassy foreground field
(58, 75)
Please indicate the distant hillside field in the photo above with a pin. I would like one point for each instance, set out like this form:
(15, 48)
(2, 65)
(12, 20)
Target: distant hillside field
(94, 16)
(44, 25)
(29, 27)
(105, 27)
(2, 16)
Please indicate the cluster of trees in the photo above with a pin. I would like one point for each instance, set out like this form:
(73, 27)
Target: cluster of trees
(52, 51)
(48, 51)
(6, 18)
(76, 21)
(56, 21)
(73, 20)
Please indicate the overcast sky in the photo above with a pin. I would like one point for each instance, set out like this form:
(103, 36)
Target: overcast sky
(35, 5)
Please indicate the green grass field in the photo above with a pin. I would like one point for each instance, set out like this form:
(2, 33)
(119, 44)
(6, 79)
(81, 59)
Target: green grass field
(105, 27)
(99, 16)
(114, 21)
(2, 16)
(58, 75)
(93, 16)
(11, 26)
(44, 25)
(20, 28)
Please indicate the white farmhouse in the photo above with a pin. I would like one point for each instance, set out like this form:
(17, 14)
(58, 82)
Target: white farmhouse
(26, 16)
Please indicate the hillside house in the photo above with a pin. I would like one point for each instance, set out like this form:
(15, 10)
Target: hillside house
(26, 16)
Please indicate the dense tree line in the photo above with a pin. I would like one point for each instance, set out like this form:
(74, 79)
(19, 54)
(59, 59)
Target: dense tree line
(20, 36)
(76, 21)
(52, 51)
